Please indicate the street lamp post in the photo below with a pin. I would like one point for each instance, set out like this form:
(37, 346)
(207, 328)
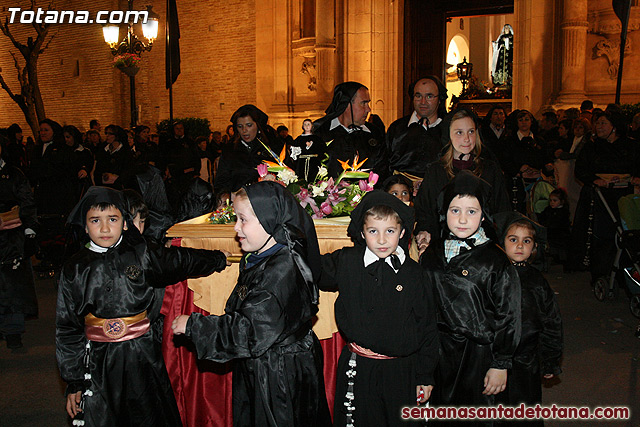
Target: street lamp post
(133, 46)
(464, 70)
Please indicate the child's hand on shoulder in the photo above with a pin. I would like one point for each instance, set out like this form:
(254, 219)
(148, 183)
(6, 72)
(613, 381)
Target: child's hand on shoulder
(423, 392)
(495, 381)
(179, 324)
(227, 255)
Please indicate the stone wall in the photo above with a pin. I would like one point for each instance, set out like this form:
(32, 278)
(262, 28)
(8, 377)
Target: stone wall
(78, 83)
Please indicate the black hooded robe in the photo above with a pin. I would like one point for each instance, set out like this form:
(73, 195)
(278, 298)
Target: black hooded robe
(478, 298)
(124, 383)
(540, 347)
(266, 329)
(17, 288)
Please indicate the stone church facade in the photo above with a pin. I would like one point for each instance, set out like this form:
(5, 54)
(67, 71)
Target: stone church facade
(285, 56)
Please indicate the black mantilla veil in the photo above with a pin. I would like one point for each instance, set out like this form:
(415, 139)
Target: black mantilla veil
(342, 96)
(381, 198)
(96, 195)
(258, 116)
(266, 133)
(289, 224)
(465, 183)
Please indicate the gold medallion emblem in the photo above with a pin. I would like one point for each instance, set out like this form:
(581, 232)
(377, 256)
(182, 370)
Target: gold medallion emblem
(133, 272)
(242, 291)
(114, 328)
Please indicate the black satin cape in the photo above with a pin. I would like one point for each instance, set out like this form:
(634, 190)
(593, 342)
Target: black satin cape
(17, 287)
(478, 299)
(540, 348)
(129, 380)
(277, 375)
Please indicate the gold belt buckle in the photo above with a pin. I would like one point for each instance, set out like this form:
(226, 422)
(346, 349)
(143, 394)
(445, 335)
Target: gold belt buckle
(114, 328)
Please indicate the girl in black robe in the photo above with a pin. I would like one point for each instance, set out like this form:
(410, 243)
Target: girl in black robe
(480, 162)
(386, 312)
(478, 299)
(266, 328)
(540, 348)
(119, 373)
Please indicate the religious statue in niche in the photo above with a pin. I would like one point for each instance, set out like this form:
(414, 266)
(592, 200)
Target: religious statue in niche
(309, 68)
(502, 61)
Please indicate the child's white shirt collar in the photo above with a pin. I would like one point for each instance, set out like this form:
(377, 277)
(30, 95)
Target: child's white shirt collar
(99, 249)
(370, 257)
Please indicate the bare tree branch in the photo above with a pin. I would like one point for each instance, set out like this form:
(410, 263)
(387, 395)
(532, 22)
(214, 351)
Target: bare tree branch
(5, 30)
(48, 43)
(7, 89)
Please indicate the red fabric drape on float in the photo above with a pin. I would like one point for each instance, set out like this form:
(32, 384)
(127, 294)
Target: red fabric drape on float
(203, 388)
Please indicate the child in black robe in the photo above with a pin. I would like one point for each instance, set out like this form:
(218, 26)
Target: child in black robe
(540, 348)
(266, 328)
(386, 312)
(478, 299)
(104, 344)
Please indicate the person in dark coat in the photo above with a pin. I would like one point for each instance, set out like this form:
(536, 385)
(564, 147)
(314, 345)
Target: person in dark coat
(81, 160)
(494, 132)
(253, 143)
(478, 300)
(51, 171)
(17, 241)
(105, 347)
(415, 140)
(266, 328)
(347, 134)
(52, 176)
(114, 163)
(382, 291)
(523, 159)
(464, 151)
(16, 152)
(540, 348)
(611, 162)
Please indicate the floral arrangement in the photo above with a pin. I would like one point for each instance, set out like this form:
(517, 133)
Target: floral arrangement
(323, 197)
(224, 215)
(126, 60)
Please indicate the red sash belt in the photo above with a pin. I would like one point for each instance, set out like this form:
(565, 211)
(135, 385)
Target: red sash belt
(365, 352)
(116, 330)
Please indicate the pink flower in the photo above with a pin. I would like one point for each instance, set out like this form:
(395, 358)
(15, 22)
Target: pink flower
(373, 178)
(262, 170)
(317, 213)
(364, 185)
(336, 197)
(326, 208)
(305, 198)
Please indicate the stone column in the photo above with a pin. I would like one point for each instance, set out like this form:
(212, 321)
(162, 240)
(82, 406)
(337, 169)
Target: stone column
(325, 50)
(574, 51)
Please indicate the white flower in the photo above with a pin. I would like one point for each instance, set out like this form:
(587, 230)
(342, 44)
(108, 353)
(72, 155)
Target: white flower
(356, 198)
(295, 152)
(287, 176)
(322, 172)
(317, 190)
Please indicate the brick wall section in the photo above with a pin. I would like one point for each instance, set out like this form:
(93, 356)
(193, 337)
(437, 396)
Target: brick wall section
(218, 67)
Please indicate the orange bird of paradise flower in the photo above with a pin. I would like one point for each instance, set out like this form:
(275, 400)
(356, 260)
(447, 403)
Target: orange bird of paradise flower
(354, 166)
